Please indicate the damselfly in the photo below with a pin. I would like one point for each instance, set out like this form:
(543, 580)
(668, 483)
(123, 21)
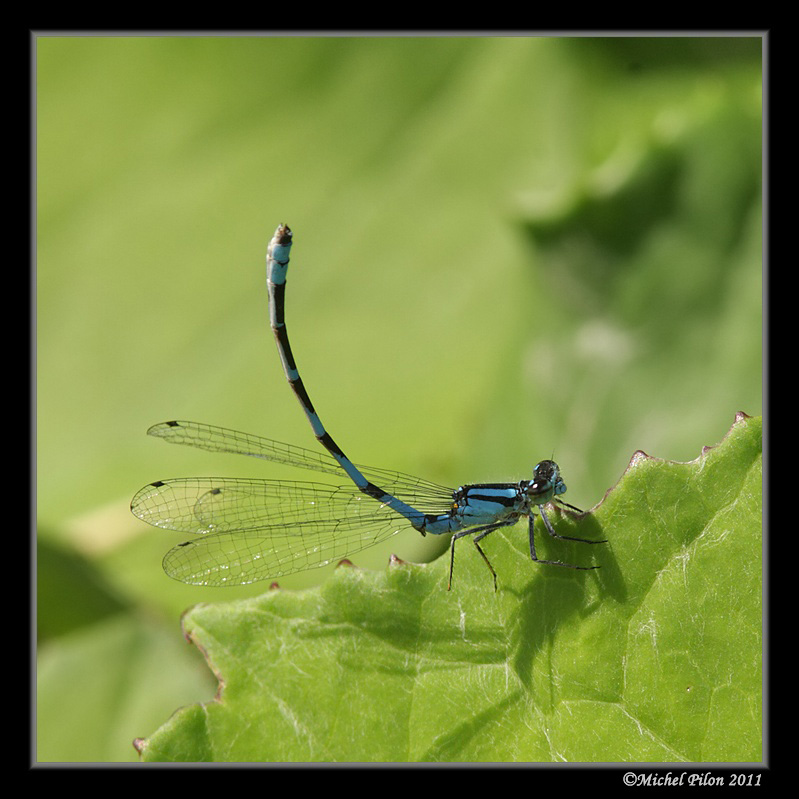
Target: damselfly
(256, 529)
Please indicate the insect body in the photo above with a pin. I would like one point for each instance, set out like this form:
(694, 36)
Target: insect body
(251, 529)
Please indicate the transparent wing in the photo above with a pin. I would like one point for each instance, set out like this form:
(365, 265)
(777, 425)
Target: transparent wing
(413, 490)
(253, 530)
(202, 505)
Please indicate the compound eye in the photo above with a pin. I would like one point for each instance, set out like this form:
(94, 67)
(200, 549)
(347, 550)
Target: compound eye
(546, 470)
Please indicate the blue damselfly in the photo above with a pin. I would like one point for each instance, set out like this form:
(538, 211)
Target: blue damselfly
(257, 529)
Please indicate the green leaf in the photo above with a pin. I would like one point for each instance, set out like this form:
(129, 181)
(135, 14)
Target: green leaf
(654, 657)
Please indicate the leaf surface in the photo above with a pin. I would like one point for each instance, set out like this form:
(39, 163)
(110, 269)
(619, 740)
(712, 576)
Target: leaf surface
(654, 657)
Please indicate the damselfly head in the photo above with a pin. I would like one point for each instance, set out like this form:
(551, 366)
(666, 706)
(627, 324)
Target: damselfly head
(546, 483)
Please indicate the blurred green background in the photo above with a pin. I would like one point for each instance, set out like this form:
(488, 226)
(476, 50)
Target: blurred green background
(506, 249)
